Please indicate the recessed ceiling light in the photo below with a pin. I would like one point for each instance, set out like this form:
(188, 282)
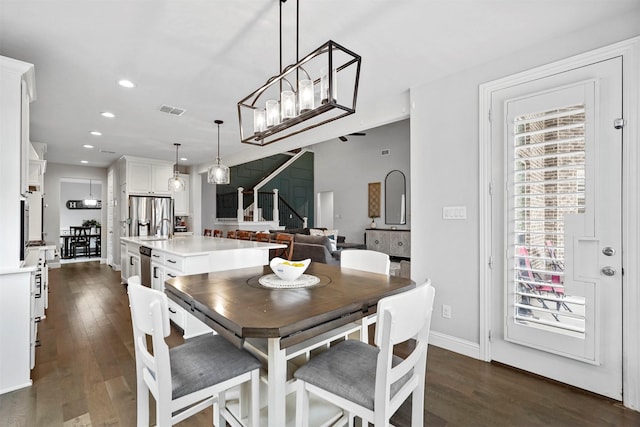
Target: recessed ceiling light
(88, 146)
(126, 83)
(84, 161)
(107, 114)
(95, 133)
(184, 159)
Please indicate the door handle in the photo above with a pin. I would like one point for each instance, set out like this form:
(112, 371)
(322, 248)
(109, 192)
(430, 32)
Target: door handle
(608, 251)
(608, 271)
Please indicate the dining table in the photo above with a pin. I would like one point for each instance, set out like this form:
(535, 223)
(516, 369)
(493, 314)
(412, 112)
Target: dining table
(276, 322)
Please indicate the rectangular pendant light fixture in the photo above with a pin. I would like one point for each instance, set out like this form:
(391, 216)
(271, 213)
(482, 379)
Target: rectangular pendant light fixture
(304, 96)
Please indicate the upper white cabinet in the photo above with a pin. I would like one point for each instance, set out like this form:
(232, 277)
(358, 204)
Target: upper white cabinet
(148, 176)
(181, 198)
(36, 173)
(17, 90)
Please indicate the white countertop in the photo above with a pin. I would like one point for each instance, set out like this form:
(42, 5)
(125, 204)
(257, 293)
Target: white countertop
(198, 245)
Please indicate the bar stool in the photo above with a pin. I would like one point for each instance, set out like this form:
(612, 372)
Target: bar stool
(190, 377)
(368, 381)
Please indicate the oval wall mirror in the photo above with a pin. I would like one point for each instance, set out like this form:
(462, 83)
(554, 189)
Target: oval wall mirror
(395, 203)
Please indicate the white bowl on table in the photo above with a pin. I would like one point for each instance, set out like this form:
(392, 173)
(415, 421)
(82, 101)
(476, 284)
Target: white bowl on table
(289, 270)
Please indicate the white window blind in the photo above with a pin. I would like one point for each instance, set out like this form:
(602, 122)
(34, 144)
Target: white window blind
(548, 182)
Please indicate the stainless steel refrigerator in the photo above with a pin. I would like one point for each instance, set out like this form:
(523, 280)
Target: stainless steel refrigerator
(149, 216)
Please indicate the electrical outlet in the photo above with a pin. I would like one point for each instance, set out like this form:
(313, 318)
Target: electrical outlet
(446, 311)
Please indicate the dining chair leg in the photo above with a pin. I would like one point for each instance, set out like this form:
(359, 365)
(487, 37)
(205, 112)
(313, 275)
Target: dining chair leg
(417, 407)
(222, 406)
(302, 406)
(142, 399)
(254, 412)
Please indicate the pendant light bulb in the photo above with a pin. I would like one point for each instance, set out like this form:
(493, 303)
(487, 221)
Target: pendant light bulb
(90, 201)
(176, 183)
(218, 173)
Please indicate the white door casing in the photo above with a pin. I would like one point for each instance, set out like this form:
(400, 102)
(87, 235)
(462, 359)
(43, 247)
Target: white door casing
(579, 342)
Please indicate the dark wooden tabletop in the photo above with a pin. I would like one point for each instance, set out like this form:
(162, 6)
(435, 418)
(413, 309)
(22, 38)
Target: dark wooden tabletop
(234, 304)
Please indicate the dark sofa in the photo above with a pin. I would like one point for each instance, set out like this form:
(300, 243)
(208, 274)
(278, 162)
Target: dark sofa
(318, 248)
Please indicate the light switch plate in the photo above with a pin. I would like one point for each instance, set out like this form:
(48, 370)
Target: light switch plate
(454, 212)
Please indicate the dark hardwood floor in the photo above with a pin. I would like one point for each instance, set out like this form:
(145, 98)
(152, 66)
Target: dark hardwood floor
(85, 373)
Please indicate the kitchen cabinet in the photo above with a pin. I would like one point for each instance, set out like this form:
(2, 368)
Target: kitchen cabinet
(123, 263)
(36, 173)
(133, 261)
(36, 213)
(165, 266)
(17, 91)
(23, 301)
(181, 198)
(395, 243)
(148, 177)
(129, 261)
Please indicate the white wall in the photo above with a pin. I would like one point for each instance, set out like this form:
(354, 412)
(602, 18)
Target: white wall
(346, 168)
(444, 160)
(56, 172)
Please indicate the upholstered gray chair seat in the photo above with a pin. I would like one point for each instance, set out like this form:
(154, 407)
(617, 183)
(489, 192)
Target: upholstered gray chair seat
(194, 367)
(348, 370)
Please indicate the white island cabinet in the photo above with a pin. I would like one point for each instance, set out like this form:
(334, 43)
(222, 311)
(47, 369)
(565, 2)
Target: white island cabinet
(181, 256)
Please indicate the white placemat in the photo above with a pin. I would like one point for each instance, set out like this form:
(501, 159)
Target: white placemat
(273, 281)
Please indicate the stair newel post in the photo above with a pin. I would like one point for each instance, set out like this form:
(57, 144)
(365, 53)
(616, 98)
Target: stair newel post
(276, 211)
(240, 204)
(255, 205)
(304, 222)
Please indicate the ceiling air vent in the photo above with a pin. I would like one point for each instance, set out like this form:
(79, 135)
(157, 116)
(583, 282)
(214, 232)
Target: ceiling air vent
(107, 151)
(385, 152)
(172, 110)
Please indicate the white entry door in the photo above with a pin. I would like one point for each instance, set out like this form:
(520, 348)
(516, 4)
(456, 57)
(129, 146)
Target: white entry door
(556, 227)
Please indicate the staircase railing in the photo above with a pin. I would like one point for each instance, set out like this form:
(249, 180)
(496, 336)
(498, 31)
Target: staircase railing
(270, 206)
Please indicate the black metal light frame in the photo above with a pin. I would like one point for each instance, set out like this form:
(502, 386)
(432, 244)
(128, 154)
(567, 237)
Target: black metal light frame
(331, 55)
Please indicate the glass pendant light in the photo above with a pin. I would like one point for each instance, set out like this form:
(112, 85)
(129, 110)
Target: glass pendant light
(176, 183)
(218, 173)
(90, 201)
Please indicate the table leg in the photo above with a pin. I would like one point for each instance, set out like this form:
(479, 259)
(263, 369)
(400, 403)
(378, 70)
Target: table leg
(277, 381)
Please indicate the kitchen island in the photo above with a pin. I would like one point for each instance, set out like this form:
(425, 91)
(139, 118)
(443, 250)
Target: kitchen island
(184, 255)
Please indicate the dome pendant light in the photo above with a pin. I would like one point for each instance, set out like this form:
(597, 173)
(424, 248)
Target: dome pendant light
(176, 183)
(90, 201)
(218, 173)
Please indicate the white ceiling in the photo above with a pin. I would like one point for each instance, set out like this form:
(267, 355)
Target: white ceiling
(205, 55)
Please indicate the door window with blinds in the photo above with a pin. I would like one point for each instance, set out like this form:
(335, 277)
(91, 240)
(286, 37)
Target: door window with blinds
(547, 185)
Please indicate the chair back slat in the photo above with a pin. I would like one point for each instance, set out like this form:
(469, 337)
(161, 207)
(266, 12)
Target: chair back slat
(401, 317)
(366, 260)
(244, 235)
(411, 313)
(286, 239)
(149, 316)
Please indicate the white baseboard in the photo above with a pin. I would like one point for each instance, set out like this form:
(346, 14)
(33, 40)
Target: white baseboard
(454, 344)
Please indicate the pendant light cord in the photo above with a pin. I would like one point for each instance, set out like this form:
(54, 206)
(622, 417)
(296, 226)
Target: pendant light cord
(218, 122)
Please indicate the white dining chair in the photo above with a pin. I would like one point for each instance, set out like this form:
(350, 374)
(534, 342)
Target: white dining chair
(370, 382)
(366, 260)
(190, 377)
